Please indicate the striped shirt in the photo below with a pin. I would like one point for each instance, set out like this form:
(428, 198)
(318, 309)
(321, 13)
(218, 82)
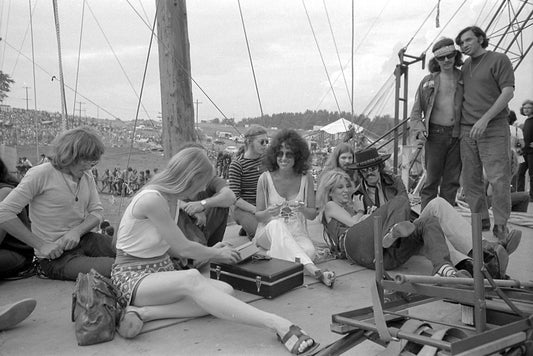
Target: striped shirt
(243, 176)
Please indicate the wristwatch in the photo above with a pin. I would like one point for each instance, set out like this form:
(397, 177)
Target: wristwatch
(203, 203)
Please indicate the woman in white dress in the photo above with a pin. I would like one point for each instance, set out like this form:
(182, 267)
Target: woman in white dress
(285, 201)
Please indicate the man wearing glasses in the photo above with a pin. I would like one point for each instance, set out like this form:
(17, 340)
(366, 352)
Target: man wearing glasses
(378, 187)
(435, 120)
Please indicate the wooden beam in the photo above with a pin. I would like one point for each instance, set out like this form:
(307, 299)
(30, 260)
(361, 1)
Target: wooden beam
(174, 70)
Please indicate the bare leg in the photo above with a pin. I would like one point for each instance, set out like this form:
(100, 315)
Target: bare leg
(162, 292)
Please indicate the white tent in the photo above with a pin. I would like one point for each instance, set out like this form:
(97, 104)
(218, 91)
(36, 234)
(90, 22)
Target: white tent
(341, 125)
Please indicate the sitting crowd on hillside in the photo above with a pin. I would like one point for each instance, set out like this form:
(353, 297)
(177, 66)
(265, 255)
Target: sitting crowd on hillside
(177, 220)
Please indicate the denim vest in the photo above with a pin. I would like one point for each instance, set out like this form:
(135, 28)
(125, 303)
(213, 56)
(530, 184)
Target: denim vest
(425, 98)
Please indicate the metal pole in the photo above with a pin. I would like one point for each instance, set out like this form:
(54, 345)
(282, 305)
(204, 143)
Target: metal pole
(480, 306)
(378, 254)
(61, 79)
(397, 74)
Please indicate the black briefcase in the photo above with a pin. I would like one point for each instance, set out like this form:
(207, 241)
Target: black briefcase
(267, 277)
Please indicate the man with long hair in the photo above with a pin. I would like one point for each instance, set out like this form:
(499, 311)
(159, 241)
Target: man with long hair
(435, 122)
(64, 207)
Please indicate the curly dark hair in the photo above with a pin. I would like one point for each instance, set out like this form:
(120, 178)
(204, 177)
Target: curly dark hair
(5, 176)
(298, 146)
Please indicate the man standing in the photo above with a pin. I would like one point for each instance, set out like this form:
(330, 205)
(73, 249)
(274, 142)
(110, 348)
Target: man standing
(435, 122)
(485, 139)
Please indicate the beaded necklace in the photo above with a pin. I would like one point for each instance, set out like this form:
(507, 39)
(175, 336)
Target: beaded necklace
(70, 189)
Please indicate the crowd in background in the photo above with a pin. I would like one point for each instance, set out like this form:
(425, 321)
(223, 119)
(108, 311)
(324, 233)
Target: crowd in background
(26, 127)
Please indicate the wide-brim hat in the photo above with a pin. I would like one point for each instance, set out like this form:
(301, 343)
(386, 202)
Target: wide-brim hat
(368, 158)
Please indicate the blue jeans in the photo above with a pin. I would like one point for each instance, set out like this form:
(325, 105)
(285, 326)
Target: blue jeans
(443, 165)
(93, 251)
(492, 152)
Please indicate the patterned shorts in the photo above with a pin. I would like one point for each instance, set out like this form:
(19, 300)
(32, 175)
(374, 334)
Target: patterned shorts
(127, 277)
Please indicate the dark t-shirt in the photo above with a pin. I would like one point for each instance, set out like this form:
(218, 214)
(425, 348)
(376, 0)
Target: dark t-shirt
(484, 77)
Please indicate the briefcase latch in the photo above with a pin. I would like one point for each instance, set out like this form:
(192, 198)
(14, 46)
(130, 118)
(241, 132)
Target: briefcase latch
(217, 271)
(258, 283)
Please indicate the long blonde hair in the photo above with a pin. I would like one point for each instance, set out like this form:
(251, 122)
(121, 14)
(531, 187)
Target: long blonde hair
(186, 171)
(328, 182)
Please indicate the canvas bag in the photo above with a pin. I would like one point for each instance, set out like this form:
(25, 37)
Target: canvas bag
(95, 308)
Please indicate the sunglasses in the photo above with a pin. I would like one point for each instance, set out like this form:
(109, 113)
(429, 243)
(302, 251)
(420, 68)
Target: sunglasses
(448, 56)
(289, 155)
(369, 169)
(263, 141)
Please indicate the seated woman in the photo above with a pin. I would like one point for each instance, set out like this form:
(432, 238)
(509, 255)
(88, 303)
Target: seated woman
(144, 274)
(353, 231)
(285, 199)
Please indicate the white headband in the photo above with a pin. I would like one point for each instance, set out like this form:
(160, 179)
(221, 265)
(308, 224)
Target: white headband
(444, 50)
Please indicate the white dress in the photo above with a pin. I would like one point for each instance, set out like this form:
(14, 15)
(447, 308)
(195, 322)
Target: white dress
(286, 235)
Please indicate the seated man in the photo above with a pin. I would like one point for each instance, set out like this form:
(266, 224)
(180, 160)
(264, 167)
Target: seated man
(351, 231)
(378, 186)
(244, 173)
(64, 207)
(204, 219)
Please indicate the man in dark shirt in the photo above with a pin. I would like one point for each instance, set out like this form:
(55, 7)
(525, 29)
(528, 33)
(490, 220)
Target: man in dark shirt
(488, 79)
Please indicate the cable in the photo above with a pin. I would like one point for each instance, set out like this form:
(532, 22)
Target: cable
(419, 28)
(139, 104)
(7, 26)
(50, 75)
(250, 57)
(446, 25)
(34, 81)
(78, 63)
(21, 45)
(337, 51)
(187, 72)
(321, 56)
(481, 11)
(117, 59)
(352, 57)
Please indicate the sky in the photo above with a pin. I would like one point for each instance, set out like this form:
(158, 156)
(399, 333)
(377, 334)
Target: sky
(289, 69)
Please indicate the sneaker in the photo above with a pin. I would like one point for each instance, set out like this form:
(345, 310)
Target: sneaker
(401, 229)
(12, 314)
(447, 270)
(467, 265)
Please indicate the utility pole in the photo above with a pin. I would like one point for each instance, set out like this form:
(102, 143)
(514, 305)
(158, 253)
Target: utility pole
(197, 103)
(174, 68)
(27, 99)
(80, 103)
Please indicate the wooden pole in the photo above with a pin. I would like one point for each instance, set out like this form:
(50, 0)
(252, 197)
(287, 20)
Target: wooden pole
(174, 70)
